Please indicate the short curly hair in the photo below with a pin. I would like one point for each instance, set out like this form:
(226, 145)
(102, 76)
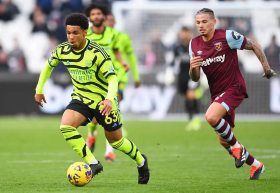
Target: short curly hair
(104, 9)
(77, 19)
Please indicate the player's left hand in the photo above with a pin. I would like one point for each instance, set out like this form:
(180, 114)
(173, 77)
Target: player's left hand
(107, 107)
(126, 67)
(269, 73)
(136, 84)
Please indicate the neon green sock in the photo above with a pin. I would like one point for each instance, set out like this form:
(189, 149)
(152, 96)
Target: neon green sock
(128, 148)
(77, 142)
(91, 128)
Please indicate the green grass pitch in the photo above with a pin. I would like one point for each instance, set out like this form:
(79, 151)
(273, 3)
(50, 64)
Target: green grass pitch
(34, 157)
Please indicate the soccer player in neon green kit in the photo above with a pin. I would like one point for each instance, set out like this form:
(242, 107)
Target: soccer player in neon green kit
(126, 50)
(108, 38)
(94, 95)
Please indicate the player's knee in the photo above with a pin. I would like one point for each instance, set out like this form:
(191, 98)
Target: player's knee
(66, 127)
(211, 119)
(94, 121)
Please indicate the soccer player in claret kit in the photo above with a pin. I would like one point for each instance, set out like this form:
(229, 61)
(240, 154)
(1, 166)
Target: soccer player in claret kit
(215, 51)
(94, 95)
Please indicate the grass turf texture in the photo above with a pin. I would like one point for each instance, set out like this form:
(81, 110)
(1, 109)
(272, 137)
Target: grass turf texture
(34, 157)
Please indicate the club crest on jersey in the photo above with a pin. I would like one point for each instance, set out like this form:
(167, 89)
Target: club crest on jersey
(218, 46)
(199, 52)
(88, 63)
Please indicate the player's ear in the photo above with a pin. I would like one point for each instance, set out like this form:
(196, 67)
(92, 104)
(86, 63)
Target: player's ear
(214, 21)
(85, 32)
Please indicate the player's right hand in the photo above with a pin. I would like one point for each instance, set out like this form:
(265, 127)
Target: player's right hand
(39, 98)
(195, 61)
(126, 67)
(269, 73)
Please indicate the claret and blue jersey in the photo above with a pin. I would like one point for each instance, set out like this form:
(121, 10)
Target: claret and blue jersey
(220, 61)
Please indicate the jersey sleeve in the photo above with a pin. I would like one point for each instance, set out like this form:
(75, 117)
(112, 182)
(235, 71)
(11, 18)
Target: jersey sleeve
(45, 74)
(132, 60)
(116, 41)
(235, 40)
(104, 62)
(190, 49)
(54, 58)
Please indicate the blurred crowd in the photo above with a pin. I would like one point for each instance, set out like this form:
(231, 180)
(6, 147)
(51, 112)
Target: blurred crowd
(48, 17)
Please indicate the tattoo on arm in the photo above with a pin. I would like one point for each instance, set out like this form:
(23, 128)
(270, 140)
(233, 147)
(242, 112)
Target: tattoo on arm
(252, 45)
(195, 74)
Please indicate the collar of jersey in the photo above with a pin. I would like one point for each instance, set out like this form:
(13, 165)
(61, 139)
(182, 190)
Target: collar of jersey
(210, 41)
(96, 33)
(84, 48)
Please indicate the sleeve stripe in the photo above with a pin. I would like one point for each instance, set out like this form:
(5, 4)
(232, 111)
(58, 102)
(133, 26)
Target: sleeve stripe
(190, 49)
(50, 63)
(109, 73)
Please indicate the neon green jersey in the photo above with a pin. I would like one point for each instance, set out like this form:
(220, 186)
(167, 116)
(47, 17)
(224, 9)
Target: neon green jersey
(89, 69)
(109, 40)
(126, 50)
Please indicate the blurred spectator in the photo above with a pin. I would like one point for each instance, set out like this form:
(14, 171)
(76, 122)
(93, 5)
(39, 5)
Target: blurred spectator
(272, 53)
(243, 26)
(108, 3)
(39, 21)
(158, 48)
(12, 8)
(56, 26)
(45, 5)
(52, 44)
(70, 6)
(5, 15)
(16, 58)
(3, 60)
(148, 58)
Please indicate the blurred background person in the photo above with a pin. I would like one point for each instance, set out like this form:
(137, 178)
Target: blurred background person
(272, 52)
(17, 58)
(158, 48)
(186, 87)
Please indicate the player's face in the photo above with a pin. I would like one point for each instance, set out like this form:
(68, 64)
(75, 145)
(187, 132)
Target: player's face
(110, 21)
(96, 17)
(76, 36)
(205, 24)
(185, 35)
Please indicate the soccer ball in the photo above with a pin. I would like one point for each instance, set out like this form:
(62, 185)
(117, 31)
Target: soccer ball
(79, 174)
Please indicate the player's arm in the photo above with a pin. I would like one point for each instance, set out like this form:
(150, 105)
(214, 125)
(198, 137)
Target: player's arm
(132, 60)
(118, 54)
(108, 71)
(195, 64)
(44, 76)
(252, 45)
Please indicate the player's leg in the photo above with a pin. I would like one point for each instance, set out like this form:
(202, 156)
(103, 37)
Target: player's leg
(109, 153)
(77, 114)
(192, 108)
(214, 116)
(225, 144)
(224, 106)
(92, 133)
(126, 146)
(112, 124)
(257, 166)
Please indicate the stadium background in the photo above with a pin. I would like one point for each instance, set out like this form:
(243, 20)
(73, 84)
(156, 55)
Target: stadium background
(34, 156)
(29, 32)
